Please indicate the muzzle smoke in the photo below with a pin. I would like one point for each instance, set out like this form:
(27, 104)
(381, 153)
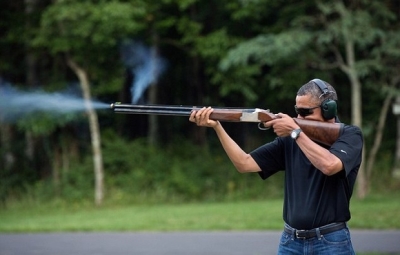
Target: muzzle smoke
(16, 104)
(144, 64)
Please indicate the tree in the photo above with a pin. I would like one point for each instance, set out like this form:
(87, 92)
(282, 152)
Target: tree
(80, 31)
(361, 54)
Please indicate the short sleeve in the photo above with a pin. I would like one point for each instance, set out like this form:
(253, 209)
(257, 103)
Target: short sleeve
(270, 158)
(348, 148)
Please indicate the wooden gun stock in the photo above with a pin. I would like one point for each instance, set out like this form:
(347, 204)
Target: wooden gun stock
(321, 132)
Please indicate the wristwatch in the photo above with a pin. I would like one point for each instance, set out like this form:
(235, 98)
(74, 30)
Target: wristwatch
(295, 133)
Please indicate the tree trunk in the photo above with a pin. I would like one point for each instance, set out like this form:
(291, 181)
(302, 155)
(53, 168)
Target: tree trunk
(396, 165)
(31, 74)
(362, 179)
(153, 135)
(356, 106)
(30, 57)
(94, 130)
(7, 158)
(57, 163)
(199, 133)
(378, 135)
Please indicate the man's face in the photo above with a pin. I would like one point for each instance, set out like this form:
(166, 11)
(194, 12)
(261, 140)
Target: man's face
(308, 109)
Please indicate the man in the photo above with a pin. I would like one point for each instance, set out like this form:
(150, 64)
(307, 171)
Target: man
(319, 180)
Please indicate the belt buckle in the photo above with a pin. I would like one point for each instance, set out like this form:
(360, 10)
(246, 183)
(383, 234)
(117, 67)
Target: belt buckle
(299, 232)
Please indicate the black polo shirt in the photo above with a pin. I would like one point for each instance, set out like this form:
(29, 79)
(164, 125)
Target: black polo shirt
(313, 199)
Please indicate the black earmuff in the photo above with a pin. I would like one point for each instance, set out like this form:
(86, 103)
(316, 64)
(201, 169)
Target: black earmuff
(328, 106)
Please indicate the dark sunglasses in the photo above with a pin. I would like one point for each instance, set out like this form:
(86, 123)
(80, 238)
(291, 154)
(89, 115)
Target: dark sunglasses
(303, 112)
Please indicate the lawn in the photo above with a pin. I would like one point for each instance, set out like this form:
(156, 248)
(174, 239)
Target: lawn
(379, 212)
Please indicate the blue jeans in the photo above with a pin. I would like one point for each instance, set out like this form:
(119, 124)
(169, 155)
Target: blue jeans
(337, 243)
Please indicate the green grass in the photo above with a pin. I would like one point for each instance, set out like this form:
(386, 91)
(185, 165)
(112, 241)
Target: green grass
(218, 216)
(379, 212)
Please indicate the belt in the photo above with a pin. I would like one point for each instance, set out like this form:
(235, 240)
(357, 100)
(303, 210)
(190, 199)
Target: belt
(306, 234)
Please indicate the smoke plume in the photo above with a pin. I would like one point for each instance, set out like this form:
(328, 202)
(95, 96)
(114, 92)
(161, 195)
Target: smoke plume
(144, 64)
(15, 104)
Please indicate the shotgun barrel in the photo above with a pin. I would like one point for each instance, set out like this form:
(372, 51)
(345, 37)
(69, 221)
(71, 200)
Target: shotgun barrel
(321, 132)
(231, 114)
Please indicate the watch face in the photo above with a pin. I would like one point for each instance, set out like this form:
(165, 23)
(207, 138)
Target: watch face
(295, 133)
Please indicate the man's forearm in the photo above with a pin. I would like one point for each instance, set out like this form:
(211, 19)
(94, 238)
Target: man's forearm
(241, 160)
(320, 157)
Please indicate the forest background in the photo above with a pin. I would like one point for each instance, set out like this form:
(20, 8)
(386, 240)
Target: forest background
(63, 62)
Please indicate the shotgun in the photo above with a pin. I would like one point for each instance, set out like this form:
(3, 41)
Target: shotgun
(321, 132)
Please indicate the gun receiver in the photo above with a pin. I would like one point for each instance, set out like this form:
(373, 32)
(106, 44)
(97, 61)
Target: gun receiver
(321, 132)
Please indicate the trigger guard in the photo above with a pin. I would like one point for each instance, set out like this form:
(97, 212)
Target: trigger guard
(262, 128)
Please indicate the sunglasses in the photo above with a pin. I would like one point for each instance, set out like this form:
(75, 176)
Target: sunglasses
(303, 112)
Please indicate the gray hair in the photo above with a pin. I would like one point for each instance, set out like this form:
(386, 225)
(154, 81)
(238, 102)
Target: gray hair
(315, 92)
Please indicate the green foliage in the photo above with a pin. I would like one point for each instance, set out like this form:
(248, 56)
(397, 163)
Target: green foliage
(212, 48)
(136, 172)
(275, 52)
(343, 23)
(254, 9)
(90, 32)
(79, 27)
(267, 49)
(75, 186)
(239, 80)
(175, 171)
(182, 4)
(189, 29)
(42, 123)
(346, 26)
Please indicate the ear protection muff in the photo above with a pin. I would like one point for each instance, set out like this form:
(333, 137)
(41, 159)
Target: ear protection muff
(328, 106)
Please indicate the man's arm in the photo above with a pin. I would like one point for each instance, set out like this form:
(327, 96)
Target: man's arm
(320, 157)
(243, 162)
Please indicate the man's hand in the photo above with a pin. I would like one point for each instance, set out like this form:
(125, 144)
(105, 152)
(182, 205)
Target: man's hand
(283, 125)
(202, 118)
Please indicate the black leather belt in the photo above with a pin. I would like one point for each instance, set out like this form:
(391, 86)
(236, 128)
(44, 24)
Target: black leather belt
(306, 234)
